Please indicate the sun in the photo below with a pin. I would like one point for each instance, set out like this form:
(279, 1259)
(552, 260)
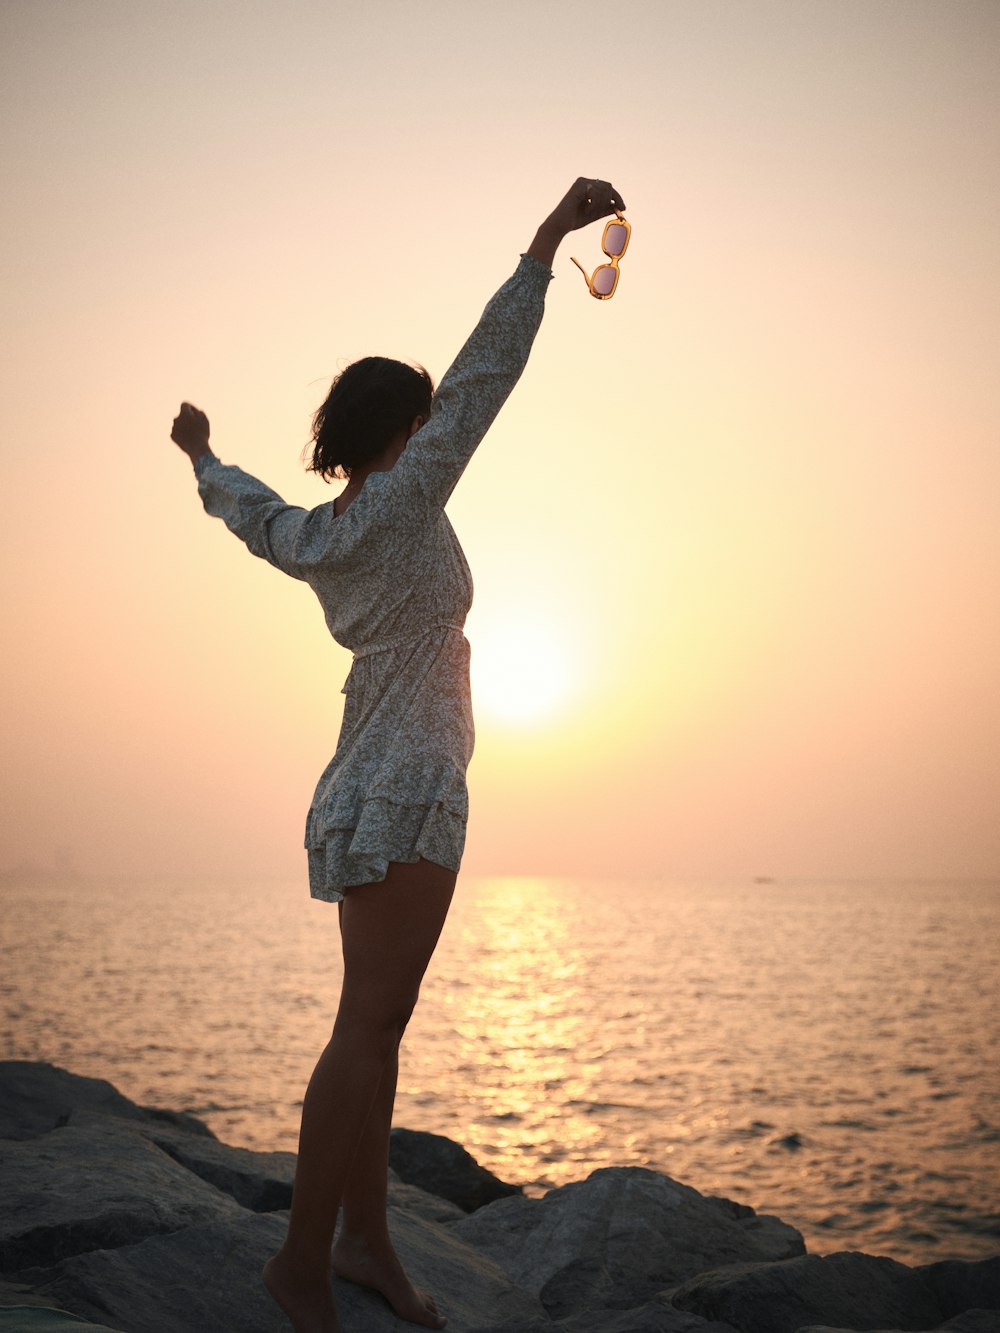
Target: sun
(524, 670)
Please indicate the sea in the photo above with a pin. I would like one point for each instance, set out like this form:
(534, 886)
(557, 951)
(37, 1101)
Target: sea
(823, 1051)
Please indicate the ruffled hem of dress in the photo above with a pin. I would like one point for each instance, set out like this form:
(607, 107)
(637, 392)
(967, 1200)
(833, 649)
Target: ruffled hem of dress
(385, 831)
(339, 802)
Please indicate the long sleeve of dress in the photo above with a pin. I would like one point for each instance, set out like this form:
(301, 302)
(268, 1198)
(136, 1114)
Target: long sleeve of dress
(474, 388)
(290, 538)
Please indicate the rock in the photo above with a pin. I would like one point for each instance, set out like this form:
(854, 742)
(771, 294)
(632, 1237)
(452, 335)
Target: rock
(207, 1280)
(78, 1189)
(846, 1289)
(184, 1120)
(138, 1220)
(618, 1238)
(972, 1321)
(37, 1097)
(19, 1294)
(791, 1141)
(41, 1319)
(441, 1166)
(654, 1317)
(22, 1309)
(260, 1181)
(960, 1286)
(428, 1206)
(198, 1278)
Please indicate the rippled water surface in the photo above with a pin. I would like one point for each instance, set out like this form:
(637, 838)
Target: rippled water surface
(825, 1052)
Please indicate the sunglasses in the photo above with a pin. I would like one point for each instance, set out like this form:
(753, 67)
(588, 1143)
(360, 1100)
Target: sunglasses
(614, 243)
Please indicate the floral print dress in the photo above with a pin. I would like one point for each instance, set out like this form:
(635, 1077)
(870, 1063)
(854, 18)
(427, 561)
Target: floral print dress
(395, 589)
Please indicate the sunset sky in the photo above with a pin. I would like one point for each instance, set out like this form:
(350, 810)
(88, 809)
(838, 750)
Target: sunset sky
(735, 536)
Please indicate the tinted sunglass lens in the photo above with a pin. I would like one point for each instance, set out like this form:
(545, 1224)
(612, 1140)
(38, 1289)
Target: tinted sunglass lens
(604, 280)
(615, 239)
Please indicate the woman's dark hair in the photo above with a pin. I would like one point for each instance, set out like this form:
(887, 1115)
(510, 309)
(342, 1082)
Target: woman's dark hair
(369, 403)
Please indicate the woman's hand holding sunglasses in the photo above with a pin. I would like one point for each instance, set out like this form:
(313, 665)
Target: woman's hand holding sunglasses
(587, 200)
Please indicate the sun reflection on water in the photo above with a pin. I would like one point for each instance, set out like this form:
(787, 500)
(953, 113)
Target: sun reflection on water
(530, 1044)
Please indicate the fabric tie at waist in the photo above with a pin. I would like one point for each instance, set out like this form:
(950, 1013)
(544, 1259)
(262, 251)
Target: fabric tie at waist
(368, 649)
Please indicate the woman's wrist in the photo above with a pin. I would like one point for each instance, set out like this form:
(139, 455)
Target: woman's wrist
(196, 452)
(546, 242)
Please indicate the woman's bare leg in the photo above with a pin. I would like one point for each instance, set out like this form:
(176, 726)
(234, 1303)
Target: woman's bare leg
(364, 1251)
(389, 933)
(365, 1198)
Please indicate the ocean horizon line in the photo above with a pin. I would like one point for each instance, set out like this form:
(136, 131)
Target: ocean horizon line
(29, 872)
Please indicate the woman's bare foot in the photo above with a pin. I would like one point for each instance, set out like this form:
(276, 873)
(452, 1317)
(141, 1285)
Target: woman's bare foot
(379, 1267)
(305, 1298)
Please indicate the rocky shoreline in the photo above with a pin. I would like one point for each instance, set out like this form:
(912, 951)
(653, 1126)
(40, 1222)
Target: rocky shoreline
(140, 1221)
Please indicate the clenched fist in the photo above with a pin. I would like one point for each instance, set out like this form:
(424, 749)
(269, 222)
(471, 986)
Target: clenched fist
(190, 431)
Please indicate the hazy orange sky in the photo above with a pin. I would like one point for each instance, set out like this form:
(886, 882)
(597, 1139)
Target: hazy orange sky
(741, 522)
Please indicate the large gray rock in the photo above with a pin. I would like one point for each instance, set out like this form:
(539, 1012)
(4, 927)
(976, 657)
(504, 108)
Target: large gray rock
(959, 1286)
(846, 1289)
(618, 1238)
(17, 1293)
(200, 1277)
(142, 1221)
(103, 1185)
(656, 1316)
(207, 1280)
(972, 1321)
(36, 1097)
(441, 1166)
(260, 1181)
(263, 1181)
(35, 1319)
(428, 1206)
(23, 1311)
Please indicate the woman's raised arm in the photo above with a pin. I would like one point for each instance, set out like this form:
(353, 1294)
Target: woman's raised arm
(485, 371)
(293, 539)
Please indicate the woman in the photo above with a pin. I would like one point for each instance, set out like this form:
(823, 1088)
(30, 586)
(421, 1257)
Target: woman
(386, 828)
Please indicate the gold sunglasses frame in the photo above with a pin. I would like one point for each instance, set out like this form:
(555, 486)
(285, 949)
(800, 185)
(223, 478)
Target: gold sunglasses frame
(617, 221)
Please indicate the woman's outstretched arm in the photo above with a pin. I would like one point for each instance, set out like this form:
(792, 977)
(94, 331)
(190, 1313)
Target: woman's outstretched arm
(292, 539)
(480, 379)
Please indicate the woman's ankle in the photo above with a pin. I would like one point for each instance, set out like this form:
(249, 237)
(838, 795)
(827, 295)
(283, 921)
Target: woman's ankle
(372, 1236)
(305, 1263)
